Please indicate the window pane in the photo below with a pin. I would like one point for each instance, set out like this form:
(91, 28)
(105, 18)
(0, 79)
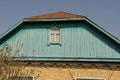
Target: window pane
(51, 38)
(54, 31)
(57, 31)
(57, 38)
(54, 35)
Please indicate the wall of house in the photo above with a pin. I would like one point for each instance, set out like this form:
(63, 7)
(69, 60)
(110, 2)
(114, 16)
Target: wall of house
(77, 40)
(71, 70)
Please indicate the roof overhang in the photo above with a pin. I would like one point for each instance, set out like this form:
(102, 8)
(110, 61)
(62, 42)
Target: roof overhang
(56, 19)
(76, 59)
(62, 19)
(67, 59)
(102, 30)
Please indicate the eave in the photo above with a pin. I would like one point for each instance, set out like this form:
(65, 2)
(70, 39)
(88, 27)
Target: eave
(56, 19)
(103, 31)
(63, 58)
(62, 19)
(11, 29)
(73, 59)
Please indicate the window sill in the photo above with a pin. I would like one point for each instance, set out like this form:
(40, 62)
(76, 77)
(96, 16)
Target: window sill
(54, 44)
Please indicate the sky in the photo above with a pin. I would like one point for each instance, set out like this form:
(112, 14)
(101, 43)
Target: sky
(105, 13)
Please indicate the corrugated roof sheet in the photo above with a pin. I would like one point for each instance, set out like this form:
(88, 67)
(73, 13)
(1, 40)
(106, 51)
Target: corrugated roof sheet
(56, 15)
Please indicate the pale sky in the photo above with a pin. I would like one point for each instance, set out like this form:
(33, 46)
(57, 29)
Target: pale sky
(105, 13)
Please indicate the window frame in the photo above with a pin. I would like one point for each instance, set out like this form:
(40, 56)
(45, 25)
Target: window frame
(53, 32)
(86, 78)
(49, 38)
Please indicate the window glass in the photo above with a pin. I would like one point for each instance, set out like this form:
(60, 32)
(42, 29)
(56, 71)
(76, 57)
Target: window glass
(54, 35)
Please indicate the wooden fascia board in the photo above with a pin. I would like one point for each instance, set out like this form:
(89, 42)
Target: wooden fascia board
(102, 30)
(59, 19)
(11, 29)
(67, 59)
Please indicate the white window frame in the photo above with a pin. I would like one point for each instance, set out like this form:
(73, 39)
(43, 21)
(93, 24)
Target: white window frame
(54, 35)
(86, 78)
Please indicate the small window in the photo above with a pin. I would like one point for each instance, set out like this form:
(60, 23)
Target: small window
(20, 78)
(89, 79)
(54, 35)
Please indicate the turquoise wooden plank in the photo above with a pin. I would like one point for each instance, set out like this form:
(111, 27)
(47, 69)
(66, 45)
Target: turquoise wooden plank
(77, 39)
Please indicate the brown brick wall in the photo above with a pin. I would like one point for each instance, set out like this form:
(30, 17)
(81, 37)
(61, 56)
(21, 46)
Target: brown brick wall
(70, 70)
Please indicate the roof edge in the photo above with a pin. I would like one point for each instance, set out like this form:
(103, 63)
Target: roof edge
(64, 19)
(103, 30)
(10, 29)
(55, 19)
(66, 59)
(55, 15)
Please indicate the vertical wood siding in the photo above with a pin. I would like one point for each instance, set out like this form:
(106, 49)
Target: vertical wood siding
(77, 40)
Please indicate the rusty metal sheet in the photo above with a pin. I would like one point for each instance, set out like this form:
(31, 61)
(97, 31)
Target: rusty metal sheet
(56, 15)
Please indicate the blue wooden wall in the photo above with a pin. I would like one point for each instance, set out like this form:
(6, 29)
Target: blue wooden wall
(78, 39)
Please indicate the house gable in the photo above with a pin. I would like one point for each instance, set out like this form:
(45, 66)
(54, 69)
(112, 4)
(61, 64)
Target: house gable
(80, 40)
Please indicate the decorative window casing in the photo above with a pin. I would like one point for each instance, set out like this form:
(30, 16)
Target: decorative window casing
(54, 36)
(78, 78)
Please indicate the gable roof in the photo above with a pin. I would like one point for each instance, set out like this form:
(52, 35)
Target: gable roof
(62, 16)
(59, 16)
(56, 15)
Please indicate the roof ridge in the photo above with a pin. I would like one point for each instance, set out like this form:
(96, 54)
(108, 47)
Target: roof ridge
(55, 15)
(73, 14)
